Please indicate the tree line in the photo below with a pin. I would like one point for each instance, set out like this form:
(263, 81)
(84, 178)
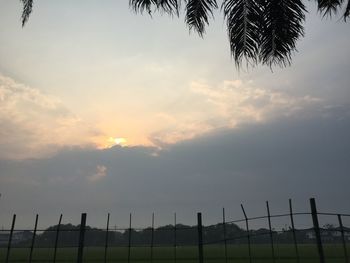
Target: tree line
(184, 235)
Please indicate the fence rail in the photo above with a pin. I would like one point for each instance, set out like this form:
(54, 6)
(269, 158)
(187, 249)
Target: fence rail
(197, 243)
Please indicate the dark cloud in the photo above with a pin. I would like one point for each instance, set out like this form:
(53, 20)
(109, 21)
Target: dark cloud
(293, 158)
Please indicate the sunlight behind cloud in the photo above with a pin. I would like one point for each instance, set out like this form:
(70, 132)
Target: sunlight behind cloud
(114, 141)
(34, 124)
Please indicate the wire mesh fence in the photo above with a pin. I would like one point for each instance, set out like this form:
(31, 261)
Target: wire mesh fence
(227, 241)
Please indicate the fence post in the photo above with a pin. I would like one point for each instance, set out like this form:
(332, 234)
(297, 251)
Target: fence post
(343, 238)
(175, 242)
(81, 238)
(152, 237)
(293, 230)
(106, 241)
(10, 238)
(270, 231)
(317, 229)
(248, 235)
(56, 239)
(200, 238)
(33, 239)
(129, 243)
(224, 232)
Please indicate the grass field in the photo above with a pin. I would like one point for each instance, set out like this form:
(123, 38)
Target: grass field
(212, 254)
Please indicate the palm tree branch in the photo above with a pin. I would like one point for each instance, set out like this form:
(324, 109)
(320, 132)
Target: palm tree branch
(329, 7)
(167, 6)
(282, 27)
(142, 5)
(197, 14)
(263, 31)
(27, 10)
(347, 11)
(242, 20)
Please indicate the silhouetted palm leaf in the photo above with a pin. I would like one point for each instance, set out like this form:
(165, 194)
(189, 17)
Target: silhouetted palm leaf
(168, 6)
(282, 27)
(260, 31)
(347, 11)
(27, 9)
(329, 7)
(198, 12)
(243, 19)
(142, 5)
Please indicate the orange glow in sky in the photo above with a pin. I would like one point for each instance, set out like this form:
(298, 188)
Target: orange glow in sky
(113, 141)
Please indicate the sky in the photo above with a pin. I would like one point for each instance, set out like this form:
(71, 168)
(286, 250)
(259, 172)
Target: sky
(103, 110)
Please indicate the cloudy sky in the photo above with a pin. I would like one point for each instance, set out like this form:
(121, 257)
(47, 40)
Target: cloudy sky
(102, 110)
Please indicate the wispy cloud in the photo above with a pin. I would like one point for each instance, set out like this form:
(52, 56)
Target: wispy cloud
(241, 101)
(33, 124)
(228, 105)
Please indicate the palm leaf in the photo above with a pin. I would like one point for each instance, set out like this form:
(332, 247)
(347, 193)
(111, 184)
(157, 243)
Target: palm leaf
(263, 31)
(198, 12)
(27, 9)
(243, 19)
(142, 5)
(169, 6)
(282, 27)
(347, 11)
(329, 7)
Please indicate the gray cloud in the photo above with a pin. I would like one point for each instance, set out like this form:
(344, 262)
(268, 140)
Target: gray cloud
(295, 158)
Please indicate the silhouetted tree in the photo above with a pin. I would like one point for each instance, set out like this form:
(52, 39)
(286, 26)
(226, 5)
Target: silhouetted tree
(259, 31)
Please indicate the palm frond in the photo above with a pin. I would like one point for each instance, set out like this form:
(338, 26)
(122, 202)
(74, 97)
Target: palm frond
(329, 7)
(142, 5)
(243, 27)
(169, 6)
(263, 31)
(282, 27)
(198, 12)
(27, 9)
(347, 11)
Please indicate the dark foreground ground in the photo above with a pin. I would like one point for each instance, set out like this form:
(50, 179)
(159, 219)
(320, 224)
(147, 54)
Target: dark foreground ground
(212, 254)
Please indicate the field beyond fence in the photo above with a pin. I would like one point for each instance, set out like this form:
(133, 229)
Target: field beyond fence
(228, 241)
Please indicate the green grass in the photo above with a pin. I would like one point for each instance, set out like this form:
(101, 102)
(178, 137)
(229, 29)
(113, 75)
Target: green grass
(212, 254)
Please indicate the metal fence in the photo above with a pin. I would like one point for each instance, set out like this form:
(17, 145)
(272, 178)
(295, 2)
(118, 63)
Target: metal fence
(180, 243)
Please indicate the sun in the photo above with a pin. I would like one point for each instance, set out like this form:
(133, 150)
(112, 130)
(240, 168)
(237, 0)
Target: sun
(120, 141)
(113, 141)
